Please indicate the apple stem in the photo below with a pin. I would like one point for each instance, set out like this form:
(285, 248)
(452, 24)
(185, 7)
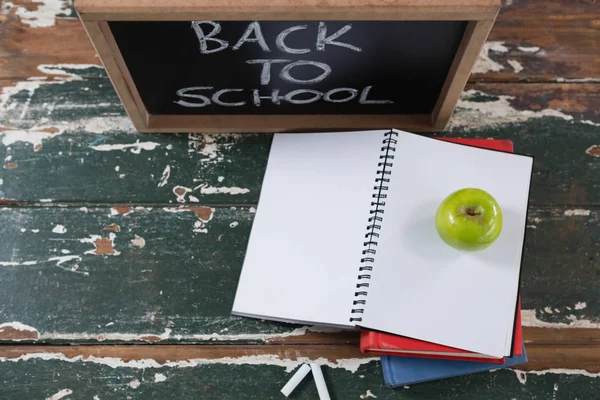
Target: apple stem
(471, 211)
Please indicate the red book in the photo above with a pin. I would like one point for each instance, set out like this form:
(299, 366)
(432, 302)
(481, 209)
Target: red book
(383, 343)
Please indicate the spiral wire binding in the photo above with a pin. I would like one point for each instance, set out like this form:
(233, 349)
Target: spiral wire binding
(384, 171)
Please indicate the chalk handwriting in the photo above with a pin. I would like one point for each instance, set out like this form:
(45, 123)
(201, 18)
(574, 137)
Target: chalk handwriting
(265, 74)
(285, 72)
(298, 96)
(323, 39)
(253, 27)
(203, 38)
(308, 72)
(280, 41)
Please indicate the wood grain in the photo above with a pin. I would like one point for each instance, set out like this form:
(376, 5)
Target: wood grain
(285, 123)
(540, 357)
(41, 375)
(541, 337)
(464, 60)
(566, 33)
(288, 10)
(105, 46)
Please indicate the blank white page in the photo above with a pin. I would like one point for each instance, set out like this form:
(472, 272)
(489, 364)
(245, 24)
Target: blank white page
(305, 246)
(421, 287)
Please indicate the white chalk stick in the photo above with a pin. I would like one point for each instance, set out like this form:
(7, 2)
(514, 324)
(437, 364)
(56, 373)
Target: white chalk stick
(295, 380)
(320, 381)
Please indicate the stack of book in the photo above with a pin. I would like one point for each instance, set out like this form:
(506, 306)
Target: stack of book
(407, 361)
(344, 236)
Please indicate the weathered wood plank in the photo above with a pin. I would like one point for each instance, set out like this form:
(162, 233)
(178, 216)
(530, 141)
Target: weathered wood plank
(348, 356)
(127, 274)
(256, 372)
(539, 40)
(532, 40)
(49, 130)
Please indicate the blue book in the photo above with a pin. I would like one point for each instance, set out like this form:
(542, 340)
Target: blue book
(400, 371)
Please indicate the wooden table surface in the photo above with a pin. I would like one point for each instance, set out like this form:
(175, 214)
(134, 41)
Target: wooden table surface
(120, 252)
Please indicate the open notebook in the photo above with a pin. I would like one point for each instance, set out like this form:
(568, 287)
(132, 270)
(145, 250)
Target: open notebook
(344, 235)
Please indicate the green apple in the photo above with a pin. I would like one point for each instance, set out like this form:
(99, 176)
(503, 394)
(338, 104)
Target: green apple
(469, 219)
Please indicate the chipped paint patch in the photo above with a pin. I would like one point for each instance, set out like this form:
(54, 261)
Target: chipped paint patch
(528, 49)
(159, 378)
(138, 241)
(135, 148)
(556, 371)
(121, 210)
(60, 260)
(45, 14)
(134, 384)
(517, 67)
(548, 310)
(176, 209)
(204, 214)
(16, 331)
(113, 228)
(348, 364)
(485, 63)
(521, 376)
(180, 192)
(199, 227)
(107, 124)
(102, 246)
(60, 395)
(114, 337)
(593, 151)
(165, 176)
(220, 179)
(252, 210)
(471, 114)
(60, 229)
(588, 122)
(15, 263)
(61, 69)
(34, 136)
(211, 146)
(367, 395)
(263, 337)
(194, 199)
(205, 189)
(580, 305)
(577, 80)
(10, 165)
(578, 212)
(529, 318)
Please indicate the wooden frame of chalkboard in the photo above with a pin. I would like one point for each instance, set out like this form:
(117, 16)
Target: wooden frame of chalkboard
(103, 18)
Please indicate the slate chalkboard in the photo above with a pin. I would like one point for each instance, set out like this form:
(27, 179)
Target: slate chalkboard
(288, 67)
